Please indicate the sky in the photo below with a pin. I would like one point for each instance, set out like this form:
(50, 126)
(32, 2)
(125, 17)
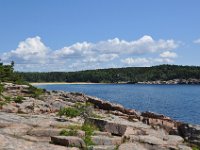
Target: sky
(73, 35)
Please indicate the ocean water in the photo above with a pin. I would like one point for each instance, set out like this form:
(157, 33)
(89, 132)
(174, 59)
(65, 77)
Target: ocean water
(180, 102)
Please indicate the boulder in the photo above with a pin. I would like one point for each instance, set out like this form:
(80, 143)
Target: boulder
(69, 141)
(160, 120)
(174, 140)
(106, 126)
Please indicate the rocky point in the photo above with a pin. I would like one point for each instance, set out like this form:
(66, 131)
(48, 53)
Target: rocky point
(57, 120)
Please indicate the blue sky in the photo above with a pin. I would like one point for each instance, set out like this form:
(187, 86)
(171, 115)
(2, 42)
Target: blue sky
(70, 35)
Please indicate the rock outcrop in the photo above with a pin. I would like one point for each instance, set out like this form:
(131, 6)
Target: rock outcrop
(33, 123)
(174, 81)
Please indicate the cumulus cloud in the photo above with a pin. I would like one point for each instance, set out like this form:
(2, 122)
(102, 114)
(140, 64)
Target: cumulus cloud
(146, 44)
(168, 54)
(32, 54)
(145, 62)
(31, 50)
(197, 41)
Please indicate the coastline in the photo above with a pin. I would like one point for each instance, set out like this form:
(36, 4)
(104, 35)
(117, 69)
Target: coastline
(55, 83)
(112, 121)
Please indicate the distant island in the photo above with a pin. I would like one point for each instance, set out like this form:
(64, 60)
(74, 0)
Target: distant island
(162, 74)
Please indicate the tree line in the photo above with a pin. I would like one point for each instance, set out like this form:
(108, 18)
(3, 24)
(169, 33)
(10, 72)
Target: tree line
(115, 75)
(7, 73)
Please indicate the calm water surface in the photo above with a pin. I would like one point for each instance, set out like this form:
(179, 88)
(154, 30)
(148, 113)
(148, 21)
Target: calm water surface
(180, 102)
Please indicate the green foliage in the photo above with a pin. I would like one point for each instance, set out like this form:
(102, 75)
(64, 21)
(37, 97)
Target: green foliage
(69, 112)
(71, 132)
(35, 92)
(7, 74)
(196, 148)
(89, 130)
(94, 115)
(7, 98)
(1, 88)
(80, 109)
(2, 103)
(18, 99)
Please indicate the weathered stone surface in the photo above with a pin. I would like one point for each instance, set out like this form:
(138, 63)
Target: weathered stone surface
(45, 132)
(69, 141)
(57, 104)
(113, 128)
(160, 120)
(105, 105)
(16, 129)
(11, 143)
(131, 146)
(174, 140)
(102, 133)
(184, 147)
(102, 147)
(190, 132)
(104, 140)
(147, 139)
(9, 108)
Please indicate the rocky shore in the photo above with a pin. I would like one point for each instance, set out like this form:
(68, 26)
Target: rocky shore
(174, 81)
(57, 120)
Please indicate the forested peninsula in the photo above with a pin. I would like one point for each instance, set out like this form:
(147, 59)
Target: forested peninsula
(171, 73)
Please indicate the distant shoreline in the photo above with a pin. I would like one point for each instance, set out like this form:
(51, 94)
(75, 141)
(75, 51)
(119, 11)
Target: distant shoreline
(55, 83)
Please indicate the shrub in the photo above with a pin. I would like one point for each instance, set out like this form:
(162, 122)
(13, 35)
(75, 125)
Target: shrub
(89, 130)
(18, 99)
(71, 132)
(1, 88)
(69, 112)
(35, 92)
(196, 148)
(7, 98)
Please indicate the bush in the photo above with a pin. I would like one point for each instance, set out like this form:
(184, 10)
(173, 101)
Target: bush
(18, 99)
(69, 112)
(89, 130)
(71, 132)
(1, 88)
(7, 98)
(196, 148)
(35, 92)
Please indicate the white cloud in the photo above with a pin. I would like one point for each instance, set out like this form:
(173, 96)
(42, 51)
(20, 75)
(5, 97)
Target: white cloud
(145, 62)
(33, 55)
(31, 50)
(168, 54)
(197, 41)
(135, 61)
